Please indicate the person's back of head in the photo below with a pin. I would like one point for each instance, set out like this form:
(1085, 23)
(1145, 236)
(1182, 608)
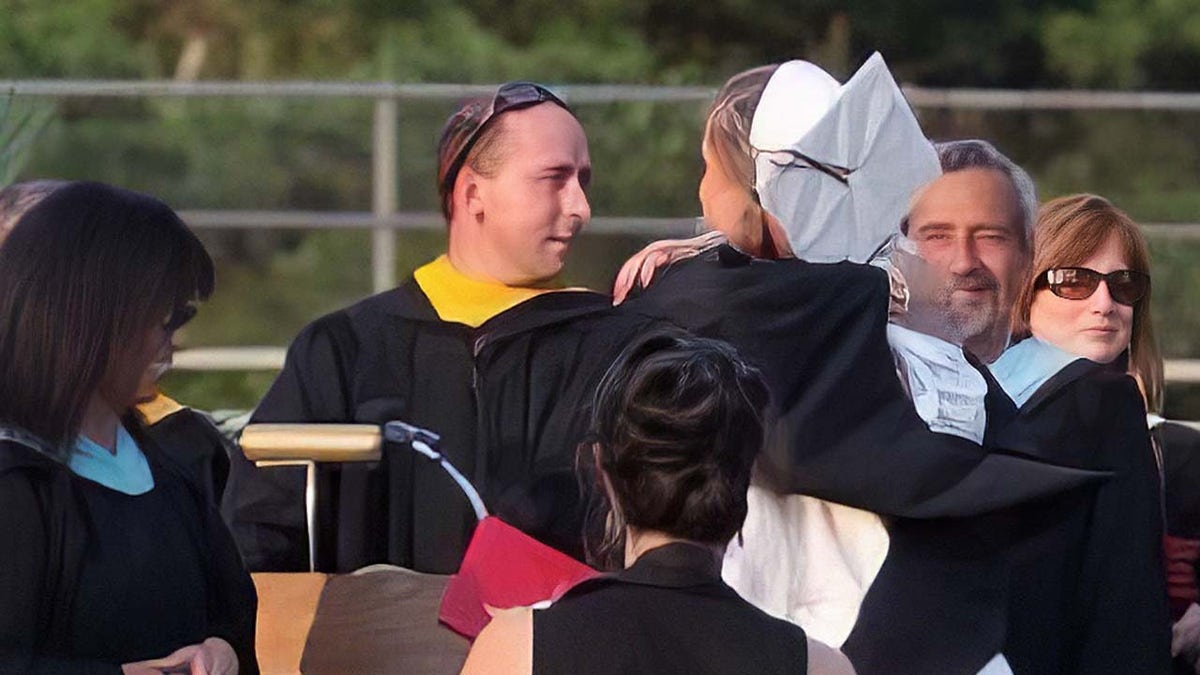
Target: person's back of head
(677, 424)
(728, 124)
(83, 276)
(727, 194)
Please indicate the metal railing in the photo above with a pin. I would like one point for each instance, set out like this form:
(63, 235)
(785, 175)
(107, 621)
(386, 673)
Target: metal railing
(271, 358)
(385, 216)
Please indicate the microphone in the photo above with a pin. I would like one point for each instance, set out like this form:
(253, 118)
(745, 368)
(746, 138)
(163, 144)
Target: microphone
(425, 442)
(304, 443)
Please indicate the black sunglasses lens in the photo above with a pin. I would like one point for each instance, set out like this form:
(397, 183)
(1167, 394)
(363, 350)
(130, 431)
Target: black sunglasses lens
(1079, 283)
(1127, 286)
(1073, 283)
(514, 95)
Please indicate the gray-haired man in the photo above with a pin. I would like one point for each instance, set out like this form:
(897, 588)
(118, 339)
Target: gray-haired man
(973, 225)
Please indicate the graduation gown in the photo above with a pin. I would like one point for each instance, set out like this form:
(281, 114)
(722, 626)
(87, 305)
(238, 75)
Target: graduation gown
(847, 431)
(509, 398)
(941, 575)
(192, 441)
(1088, 589)
(849, 434)
(47, 532)
(1179, 447)
(1071, 583)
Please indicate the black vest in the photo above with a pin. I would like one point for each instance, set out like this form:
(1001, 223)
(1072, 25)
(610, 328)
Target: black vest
(668, 613)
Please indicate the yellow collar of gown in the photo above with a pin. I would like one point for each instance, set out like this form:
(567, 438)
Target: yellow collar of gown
(460, 299)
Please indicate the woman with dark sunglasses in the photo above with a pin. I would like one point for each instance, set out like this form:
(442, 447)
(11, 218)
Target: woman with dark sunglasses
(1079, 603)
(188, 435)
(115, 560)
(1091, 292)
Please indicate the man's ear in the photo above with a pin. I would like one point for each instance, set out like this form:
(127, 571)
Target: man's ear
(470, 193)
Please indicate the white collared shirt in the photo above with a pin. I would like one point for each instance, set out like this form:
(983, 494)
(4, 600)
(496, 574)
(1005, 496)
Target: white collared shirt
(945, 388)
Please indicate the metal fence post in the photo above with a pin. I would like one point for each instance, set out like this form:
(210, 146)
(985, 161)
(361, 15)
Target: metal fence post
(384, 198)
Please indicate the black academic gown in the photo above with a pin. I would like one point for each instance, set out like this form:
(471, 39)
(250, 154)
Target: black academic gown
(1088, 589)
(46, 534)
(1072, 583)
(1179, 445)
(195, 444)
(940, 576)
(847, 431)
(510, 400)
(1179, 448)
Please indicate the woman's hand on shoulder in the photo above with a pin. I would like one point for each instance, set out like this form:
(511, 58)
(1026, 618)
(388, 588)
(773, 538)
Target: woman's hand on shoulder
(214, 656)
(640, 268)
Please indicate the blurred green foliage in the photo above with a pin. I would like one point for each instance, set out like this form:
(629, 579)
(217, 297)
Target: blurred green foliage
(20, 124)
(267, 153)
(1126, 44)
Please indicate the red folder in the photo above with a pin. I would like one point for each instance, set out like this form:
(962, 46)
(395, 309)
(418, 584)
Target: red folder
(504, 568)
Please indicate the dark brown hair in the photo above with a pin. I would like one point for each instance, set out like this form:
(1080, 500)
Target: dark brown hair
(677, 423)
(83, 275)
(18, 198)
(484, 156)
(1068, 232)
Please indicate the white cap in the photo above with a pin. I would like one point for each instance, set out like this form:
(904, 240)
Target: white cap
(796, 97)
(863, 133)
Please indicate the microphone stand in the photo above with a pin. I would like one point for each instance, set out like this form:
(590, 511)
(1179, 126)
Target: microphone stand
(425, 442)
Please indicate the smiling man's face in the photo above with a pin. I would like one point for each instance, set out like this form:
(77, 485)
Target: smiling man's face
(967, 226)
(521, 220)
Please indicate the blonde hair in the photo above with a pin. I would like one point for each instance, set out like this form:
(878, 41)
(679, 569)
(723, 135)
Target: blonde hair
(727, 134)
(1069, 231)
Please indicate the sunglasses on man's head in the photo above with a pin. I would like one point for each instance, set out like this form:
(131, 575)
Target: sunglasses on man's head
(510, 96)
(1078, 283)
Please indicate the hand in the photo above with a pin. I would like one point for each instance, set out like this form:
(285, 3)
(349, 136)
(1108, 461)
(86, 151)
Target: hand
(1185, 637)
(923, 307)
(177, 661)
(214, 656)
(641, 267)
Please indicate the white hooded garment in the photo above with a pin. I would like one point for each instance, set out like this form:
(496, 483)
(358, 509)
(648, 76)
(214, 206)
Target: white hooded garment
(865, 130)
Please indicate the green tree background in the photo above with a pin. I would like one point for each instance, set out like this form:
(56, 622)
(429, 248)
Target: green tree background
(315, 153)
